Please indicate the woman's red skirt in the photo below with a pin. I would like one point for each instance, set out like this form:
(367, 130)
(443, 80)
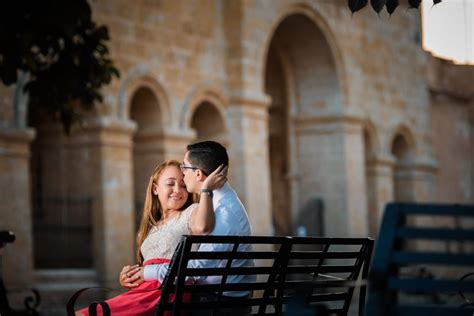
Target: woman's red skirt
(139, 301)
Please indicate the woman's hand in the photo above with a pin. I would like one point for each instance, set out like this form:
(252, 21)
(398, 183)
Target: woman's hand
(131, 276)
(216, 179)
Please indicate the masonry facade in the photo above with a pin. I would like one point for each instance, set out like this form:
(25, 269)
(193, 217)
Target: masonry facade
(316, 107)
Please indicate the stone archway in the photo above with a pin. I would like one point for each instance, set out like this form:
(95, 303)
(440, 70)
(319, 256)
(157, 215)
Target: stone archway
(302, 79)
(209, 124)
(402, 149)
(148, 145)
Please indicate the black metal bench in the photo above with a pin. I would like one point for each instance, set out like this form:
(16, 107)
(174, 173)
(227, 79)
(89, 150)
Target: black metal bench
(291, 272)
(294, 274)
(31, 302)
(423, 262)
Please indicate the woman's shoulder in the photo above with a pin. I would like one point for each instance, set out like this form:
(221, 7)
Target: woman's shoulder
(190, 208)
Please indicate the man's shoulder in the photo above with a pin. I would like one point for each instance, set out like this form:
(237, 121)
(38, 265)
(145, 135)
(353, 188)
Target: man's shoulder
(230, 202)
(230, 194)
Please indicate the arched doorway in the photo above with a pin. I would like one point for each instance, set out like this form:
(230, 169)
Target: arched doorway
(148, 147)
(302, 80)
(403, 186)
(209, 124)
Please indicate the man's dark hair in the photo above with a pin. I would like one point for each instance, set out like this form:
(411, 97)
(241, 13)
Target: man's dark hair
(207, 155)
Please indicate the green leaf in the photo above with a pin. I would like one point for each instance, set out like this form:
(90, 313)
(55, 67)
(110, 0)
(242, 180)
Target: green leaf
(414, 3)
(378, 5)
(391, 6)
(356, 5)
(70, 62)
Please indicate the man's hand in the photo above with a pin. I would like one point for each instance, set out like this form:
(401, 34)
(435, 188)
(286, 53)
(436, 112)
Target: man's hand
(131, 276)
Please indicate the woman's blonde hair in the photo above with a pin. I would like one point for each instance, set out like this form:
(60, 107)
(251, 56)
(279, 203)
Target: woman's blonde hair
(152, 211)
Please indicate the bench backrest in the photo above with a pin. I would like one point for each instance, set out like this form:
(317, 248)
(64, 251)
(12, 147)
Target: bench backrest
(422, 260)
(320, 270)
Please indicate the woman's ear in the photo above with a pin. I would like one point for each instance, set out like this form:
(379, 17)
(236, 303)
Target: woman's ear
(154, 188)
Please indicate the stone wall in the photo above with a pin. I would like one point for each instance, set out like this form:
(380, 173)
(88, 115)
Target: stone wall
(452, 105)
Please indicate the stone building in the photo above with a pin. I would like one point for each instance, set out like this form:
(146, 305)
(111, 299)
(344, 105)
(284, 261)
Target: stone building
(327, 116)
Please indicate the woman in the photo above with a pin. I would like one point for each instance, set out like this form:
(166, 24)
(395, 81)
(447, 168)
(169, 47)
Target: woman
(168, 214)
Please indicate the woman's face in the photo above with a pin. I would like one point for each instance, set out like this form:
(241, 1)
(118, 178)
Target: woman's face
(170, 189)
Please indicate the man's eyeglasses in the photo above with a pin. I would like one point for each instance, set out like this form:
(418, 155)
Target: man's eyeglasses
(184, 167)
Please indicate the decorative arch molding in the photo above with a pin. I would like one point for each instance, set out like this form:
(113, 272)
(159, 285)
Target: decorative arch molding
(198, 95)
(406, 133)
(137, 78)
(311, 13)
(290, 84)
(369, 127)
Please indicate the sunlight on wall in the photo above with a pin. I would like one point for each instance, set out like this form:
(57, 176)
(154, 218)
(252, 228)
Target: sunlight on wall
(448, 30)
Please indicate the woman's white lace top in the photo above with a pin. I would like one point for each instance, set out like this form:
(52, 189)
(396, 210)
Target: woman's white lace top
(162, 239)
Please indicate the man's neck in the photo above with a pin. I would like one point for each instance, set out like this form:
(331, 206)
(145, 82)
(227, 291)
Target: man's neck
(198, 188)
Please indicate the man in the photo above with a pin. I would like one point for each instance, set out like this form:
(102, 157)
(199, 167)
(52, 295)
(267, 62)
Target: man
(230, 215)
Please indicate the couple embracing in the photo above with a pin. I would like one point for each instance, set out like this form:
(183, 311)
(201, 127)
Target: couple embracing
(171, 211)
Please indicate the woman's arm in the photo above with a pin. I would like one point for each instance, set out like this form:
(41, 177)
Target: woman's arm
(202, 219)
(131, 276)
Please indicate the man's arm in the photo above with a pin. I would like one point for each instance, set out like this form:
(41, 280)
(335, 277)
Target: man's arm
(155, 272)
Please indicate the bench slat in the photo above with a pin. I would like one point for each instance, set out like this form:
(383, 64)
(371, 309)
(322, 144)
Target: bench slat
(412, 257)
(198, 255)
(435, 209)
(222, 255)
(321, 284)
(430, 285)
(268, 270)
(435, 233)
(229, 271)
(296, 241)
(432, 310)
(235, 302)
(325, 255)
(320, 269)
(288, 285)
(200, 288)
(331, 297)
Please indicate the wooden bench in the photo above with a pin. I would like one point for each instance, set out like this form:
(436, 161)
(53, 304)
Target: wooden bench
(31, 302)
(423, 262)
(293, 274)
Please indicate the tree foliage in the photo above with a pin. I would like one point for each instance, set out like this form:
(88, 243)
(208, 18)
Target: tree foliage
(377, 5)
(61, 49)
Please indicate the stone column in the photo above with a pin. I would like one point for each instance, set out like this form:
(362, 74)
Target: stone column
(380, 189)
(109, 143)
(15, 212)
(249, 162)
(356, 178)
(175, 142)
(423, 175)
(331, 166)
